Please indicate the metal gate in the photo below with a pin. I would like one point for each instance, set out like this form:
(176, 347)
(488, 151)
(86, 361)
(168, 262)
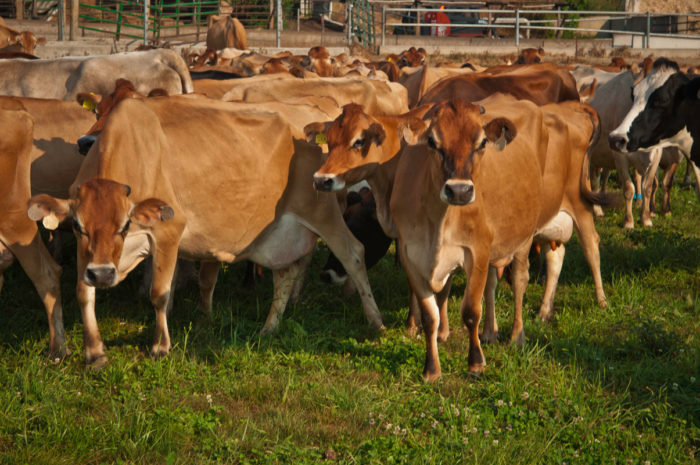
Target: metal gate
(157, 20)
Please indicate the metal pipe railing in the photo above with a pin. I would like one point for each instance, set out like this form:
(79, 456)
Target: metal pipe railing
(518, 21)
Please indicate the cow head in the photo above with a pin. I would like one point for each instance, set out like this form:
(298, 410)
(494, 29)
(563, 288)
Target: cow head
(103, 105)
(458, 133)
(102, 217)
(652, 109)
(354, 141)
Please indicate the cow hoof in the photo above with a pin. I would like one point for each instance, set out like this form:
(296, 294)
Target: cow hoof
(413, 331)
(628, 225)
(546, 317)
(268, 331)
(518, 340)
(97, 362)
(603, 303)
(431, 377)
(58, 354)
(158, 353)
(647, 223)
(490, 337)
(476, 369)
(443, 336)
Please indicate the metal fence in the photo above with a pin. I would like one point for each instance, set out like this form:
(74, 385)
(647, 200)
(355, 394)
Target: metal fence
(152, 21)
(466, 22)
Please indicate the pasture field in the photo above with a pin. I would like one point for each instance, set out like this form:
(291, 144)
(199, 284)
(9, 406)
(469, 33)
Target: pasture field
(596, 386)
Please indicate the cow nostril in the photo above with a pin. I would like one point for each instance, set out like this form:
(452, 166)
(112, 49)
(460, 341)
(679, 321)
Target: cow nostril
(109, 274)
(91, 276)
(617, 142)
(449, 193)
(469, 190)
(328, 184)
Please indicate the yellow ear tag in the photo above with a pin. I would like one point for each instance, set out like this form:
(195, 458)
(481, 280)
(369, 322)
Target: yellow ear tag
(89, 104)
(389, 59)
(321, 138)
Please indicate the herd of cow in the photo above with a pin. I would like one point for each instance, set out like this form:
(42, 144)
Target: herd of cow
(251, 158)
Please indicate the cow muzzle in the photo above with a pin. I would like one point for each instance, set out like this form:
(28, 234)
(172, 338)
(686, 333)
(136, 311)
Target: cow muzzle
(618, 142)
(84, 144)
(457, 192)
(100, 275)
(328, 182)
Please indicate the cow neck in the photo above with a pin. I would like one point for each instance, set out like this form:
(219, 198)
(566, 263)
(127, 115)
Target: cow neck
(382, 181)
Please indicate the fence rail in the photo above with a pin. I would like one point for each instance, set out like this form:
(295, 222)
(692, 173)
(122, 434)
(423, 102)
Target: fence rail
(432, 21)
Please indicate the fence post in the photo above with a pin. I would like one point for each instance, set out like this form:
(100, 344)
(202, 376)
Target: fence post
(517, 28)
(145, 22)
(279, 24)
(350, 7)
(298, 14)
(648, 30)
(119, 19)
(73, 32)
(19, 9)
(61, 19)
(383, 24)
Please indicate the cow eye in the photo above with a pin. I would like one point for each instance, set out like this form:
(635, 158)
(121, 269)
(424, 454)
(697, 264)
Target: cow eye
(77, 227)
(359, 143)
(431, 142)
(483, 143)
(126, 227)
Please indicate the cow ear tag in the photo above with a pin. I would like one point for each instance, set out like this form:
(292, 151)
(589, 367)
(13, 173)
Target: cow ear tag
(389, 59)
(50, 221)
(89, 104)
(321, 138)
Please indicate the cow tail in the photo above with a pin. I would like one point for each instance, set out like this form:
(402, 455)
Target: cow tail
(594, 198)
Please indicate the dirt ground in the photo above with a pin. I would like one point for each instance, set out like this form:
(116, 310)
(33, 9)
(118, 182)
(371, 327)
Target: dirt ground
(671, 6)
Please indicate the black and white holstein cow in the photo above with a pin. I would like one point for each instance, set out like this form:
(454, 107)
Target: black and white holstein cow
(666, 112)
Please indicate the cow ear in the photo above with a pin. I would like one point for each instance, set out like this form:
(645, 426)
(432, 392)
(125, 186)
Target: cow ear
(41, 41)
(150, 212)
(500, 132)
(315, 133)
(412, 129)
(375, 132)
(51, 211)
(88, 100)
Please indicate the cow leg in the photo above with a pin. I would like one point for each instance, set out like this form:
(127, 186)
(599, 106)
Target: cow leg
(489, 335)
(414, 315)
(45, 273)
(623, 171)
(599, 182)
(351, 254)
(95, 356)
(688, 178)
(521, 276)
(283, 281)
(638, 188)
(696, 169)
(298, 284)
(590, 240)
(442, 299)
(208, 275)
(652, 197)
(555, 260)
(667, 185)
(6, 260)
(164, 267)
(471, 309)
(647, 185)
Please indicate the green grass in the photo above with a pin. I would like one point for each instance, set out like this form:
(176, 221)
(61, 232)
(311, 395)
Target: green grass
(596, 386)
